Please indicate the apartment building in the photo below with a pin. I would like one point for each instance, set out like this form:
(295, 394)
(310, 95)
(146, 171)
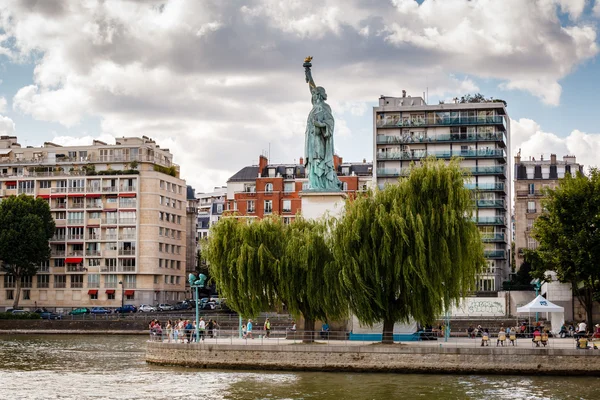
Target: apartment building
(264, 189)
(531, 176)
(210, 209)
(406, 129)
(120, 213)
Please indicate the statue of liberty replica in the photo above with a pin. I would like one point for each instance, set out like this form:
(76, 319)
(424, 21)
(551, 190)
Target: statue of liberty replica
(318, 149)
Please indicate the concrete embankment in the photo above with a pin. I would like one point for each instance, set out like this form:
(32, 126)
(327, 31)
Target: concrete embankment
(378, 358)
(90, 327)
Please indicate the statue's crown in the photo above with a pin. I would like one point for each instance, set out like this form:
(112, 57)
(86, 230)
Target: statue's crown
(308, 59)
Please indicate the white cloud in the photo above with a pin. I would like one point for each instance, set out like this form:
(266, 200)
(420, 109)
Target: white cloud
(2, 104)
(7, 126)
(528, 137)
(217, 82)
(596, 9)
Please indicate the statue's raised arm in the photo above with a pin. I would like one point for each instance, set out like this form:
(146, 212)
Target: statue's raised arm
(307, 64)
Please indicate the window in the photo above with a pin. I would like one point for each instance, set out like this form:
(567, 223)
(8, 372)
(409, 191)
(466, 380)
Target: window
(45, 184)
(531, 243)
(160, 247)
(160, 263)
(268, 206)
(26, 281)
(110, 296)
(269, 187)
(76, 281)
(178, 266)
(250, 205)
(166, 279)
(345, 186)
(43, 281)
(219, 208)
(179, 219)
(94, 296)
(271, 172)
(162, 184)
(530, 224)
(9, 281)
(305, 185)
(93, 280)
(287, 206)
(289, 187)
(531, 207)
(532, 188)
(26, 294)
(10, 295)
(156, 279)
(287, 220)
(60, 281)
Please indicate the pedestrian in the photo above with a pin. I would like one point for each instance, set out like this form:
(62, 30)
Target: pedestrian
(249, 329)
(209, 327)
(267, 328)
(201, 329)
(244, 331)
(188, 330)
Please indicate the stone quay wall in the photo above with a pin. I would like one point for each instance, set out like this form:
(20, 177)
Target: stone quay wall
(377, 358)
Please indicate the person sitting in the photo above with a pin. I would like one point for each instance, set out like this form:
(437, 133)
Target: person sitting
(293, 328)
(512, 335)
(501, 337)
(563, 331)
(544, 338)
(581, 329)
(596, 331)
(470, 331)
(537, 336)
(325, 331)
(485, 337)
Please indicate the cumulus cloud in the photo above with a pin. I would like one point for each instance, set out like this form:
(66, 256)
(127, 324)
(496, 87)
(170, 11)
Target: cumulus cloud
(2, 104)
(531, 140)
(7, 126)
(226, 79)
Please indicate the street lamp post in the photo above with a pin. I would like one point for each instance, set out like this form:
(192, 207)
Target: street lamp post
(122, 295)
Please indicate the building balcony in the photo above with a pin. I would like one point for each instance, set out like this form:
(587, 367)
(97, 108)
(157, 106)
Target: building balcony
(495, 170)
(60, 285)
(93, 285)
(92, 206)
(110, 237)
(110, 221)
(443, 138)
(93, 253)
(531, 211)
(128, 188)
(491, 204)
(441, 121)
(127, 252)
(495, 254)
(489, 220)
(127, 268)
(58, 205)
(110, 189)
(75, 221)
(127, 221)
(127, 237)
(76, 268)
(93, 236)
(76, 253)
(75, 237)
(57, 253)
(393, 172)
(128, 204)
(420, 154)
(58, 238)
(487, 187)
(493, 237)
(76, 285)
(109, 269)
(527, 193)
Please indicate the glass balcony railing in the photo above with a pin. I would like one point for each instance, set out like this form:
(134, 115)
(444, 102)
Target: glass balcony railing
(498, 187)
(493, 170)
(443, 138)
(441, 121)
(393, 171)
(494, 253)
(419, 154)
(493, 237)
(489, 220)
(490, 203)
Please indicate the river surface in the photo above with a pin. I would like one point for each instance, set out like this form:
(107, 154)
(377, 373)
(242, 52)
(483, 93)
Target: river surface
(113, 367)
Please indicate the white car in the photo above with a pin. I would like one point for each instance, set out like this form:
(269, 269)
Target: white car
(165, 307)
(146, 308)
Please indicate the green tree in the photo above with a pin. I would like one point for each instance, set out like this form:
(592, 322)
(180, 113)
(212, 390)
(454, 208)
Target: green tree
(411, 249)
(26, 226)
(568, 233)
(258, 265)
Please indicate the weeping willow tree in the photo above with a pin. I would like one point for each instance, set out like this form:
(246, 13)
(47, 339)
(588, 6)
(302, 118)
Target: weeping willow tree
(411, 249)
(259, 265)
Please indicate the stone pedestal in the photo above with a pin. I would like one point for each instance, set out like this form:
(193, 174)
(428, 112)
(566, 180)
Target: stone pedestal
(318, 204)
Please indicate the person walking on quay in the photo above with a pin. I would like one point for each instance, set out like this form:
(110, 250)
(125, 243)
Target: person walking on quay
(244, 331)
(189, 330)
(249, 329)
(169, 329)
(201, 329)
(267, 328)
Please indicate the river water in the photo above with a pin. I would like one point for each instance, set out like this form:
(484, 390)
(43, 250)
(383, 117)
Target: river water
(113, 367)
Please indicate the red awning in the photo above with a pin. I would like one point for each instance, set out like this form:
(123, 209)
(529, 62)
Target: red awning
(10, 183)
(74, 260)
(126, 194)
(129, 292)
(93, 291)
(110, 291)
(43, 196)
(59, 195)
(76, 195)
(93, 195)
(109, 209)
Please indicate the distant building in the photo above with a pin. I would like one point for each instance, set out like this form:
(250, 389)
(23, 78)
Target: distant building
(406, 130)
(210, 209)
(191, 255)
(265, 189)
(531, 176)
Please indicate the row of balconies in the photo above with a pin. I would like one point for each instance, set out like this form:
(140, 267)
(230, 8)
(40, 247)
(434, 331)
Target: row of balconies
(441, 121)
(91, 253)
(79, 285)
(155, 159)
(497, 220)
(89, 205)
(104, 221)
(491, 170)
(420, 154)
(495, 254)
(493, 237)
(443, 138)
(62, 238)
(92, 189)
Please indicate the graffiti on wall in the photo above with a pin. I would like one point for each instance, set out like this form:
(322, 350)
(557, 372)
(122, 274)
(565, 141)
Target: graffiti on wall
(476, 306)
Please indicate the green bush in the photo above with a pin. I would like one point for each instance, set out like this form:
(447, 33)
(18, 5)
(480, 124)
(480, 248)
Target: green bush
(29, 315)
(166, 170)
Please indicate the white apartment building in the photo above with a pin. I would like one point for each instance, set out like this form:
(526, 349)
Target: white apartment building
(120, 213)
(406, 129)
(210, 209)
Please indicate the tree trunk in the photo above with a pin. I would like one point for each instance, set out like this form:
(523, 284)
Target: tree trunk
(388, 332)
(18, 294)
(309, 331)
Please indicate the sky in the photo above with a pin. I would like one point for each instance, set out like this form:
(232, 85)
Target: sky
(220, 82)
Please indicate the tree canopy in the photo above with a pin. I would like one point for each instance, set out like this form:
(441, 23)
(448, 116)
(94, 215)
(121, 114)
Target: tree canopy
(26, 226)
(258, 265)
(568, 233)
(411, 249)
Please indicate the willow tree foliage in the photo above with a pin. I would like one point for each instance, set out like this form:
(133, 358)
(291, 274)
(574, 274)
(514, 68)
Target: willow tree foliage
(26, 226)
(568, 233)
(261, 264)
(411, 249)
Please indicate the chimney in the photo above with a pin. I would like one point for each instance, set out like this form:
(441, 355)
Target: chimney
(542, 157)
(518, 159)
(262, 164)
(553, 159)
(302, 161)
(337, 160)
(364, 160)
(404, 93)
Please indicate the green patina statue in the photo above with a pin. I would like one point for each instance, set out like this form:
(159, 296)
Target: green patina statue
(318, 150)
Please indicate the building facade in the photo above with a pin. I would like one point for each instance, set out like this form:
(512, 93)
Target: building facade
(406, 129)
(531, 176)
(120, 213)
(210, 209)
(265, 189)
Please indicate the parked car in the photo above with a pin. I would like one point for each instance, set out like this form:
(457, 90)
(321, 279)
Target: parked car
(80, 311)
(146, 308)
(19, 311)
(99, 310)
(127, 308)
(45, 314)
(209, 305)
(182, 305)
(165, 307)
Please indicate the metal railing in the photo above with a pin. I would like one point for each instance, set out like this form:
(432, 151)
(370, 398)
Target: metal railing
(419, 154)
(448, 137)
(489, 220)
(490, 203)
(440, 121)
(499, 187)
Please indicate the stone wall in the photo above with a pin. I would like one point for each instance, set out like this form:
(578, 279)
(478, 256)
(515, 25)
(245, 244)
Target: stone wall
(377, 358)
(135, 325)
